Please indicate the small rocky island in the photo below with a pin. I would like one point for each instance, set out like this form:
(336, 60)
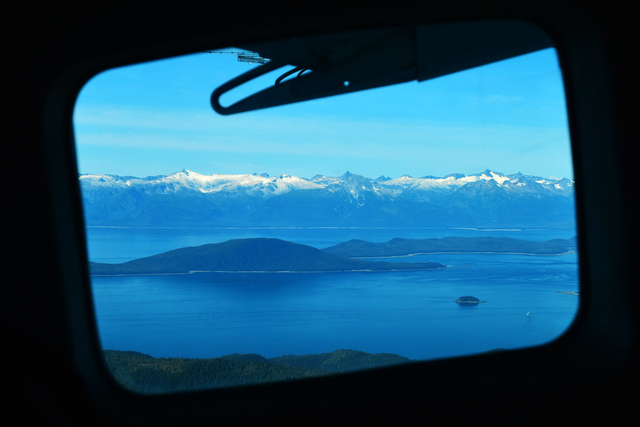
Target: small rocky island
(468, 300)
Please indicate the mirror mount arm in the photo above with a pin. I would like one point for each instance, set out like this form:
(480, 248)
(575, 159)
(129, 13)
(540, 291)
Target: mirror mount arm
(298, 70)
(354, 62)
(238, 81)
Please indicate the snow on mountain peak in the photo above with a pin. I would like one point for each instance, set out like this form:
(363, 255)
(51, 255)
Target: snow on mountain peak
(266, 185)
(240, 199)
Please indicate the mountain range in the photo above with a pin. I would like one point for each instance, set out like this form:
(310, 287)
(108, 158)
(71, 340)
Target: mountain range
(189, 199)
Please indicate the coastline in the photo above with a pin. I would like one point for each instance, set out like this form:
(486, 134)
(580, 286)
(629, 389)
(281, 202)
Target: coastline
(463, 253)
(270, 271)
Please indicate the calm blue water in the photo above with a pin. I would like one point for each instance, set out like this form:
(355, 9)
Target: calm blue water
(407, 313)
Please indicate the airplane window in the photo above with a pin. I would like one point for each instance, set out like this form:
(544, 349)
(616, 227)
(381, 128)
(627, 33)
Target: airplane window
(403, 223)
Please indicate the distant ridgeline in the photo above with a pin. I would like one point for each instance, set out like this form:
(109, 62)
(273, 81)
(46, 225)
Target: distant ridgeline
(498, 245)
(188, 199)
(146, 374)
(275, 255)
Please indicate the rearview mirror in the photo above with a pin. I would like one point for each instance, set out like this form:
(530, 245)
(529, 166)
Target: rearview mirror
(327, 65)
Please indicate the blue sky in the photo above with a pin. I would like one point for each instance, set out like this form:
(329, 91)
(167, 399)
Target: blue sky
(155, 118)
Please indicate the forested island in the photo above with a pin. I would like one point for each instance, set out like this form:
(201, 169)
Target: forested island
(251, 255)
(494, 245)
(276, 255)
(146, 374)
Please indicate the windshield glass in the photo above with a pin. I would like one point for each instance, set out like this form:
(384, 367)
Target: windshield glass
(410, 222)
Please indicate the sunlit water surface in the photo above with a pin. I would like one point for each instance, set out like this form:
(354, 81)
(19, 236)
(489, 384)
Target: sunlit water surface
(408, 313)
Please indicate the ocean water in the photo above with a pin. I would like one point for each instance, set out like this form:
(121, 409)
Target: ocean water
(272, 314)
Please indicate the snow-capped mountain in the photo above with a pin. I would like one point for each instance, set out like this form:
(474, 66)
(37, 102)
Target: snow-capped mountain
(186, 198)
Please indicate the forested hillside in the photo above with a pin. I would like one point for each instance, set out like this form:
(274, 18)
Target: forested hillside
(258, 254)
(498, 245)
(149, 375)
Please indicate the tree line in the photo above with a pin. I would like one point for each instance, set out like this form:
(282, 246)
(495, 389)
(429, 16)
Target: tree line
(150, 375)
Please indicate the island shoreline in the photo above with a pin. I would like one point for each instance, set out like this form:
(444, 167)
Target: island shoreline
(270, 271)
(463, 253)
